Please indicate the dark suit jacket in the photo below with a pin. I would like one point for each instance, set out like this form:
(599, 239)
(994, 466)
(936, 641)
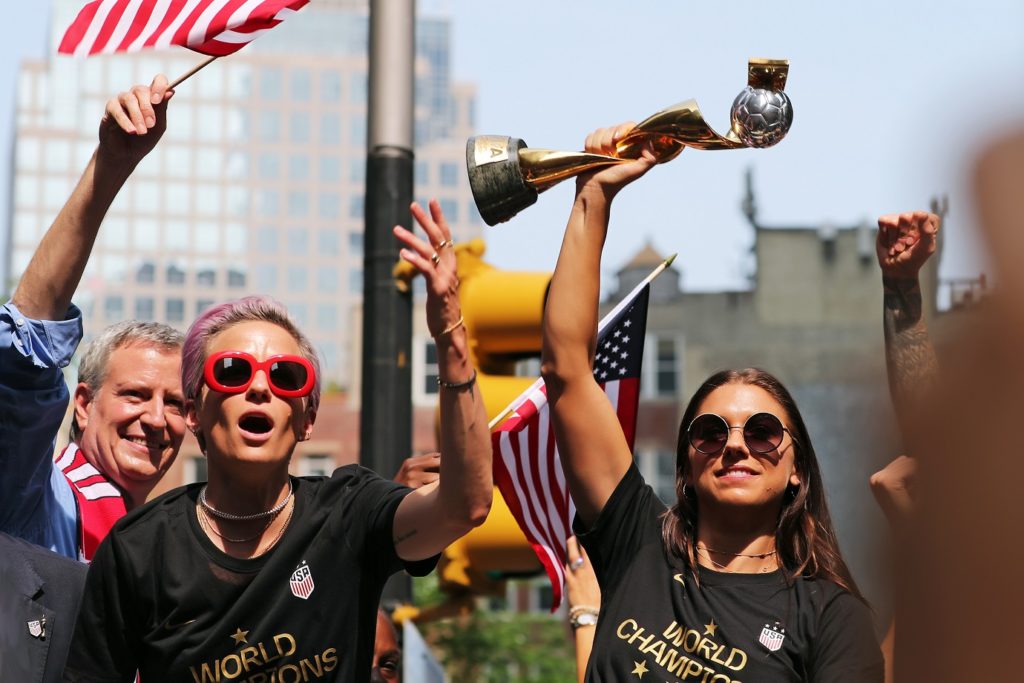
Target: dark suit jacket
(36, 584)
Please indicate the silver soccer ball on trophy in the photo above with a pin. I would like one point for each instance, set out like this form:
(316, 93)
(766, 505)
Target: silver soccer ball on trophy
(760, 117)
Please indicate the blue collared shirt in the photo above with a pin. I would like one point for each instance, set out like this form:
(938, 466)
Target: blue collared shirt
(36, 501)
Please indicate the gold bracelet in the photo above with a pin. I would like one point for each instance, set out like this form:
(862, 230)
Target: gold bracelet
(457, 386)
(451, 328)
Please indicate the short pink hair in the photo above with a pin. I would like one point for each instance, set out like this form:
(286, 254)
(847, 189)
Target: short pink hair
(219, 318)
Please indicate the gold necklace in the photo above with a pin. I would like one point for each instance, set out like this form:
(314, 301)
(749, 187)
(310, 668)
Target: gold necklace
(725, 567)
(759, 556)
(208, 525)
(256, 552)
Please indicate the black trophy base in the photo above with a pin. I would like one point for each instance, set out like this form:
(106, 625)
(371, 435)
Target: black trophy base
(496, 178)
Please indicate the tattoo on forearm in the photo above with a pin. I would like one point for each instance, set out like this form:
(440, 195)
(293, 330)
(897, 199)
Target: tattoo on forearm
(910, 356)
(406, 536)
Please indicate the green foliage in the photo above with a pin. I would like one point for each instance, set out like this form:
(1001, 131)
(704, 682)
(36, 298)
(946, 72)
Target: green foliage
(503, 647)
(493, 645)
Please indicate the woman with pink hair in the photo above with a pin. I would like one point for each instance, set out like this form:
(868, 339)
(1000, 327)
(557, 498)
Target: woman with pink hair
(258, 575)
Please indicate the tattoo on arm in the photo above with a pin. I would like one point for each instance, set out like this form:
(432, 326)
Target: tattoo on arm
(910, 356)
(406, 536)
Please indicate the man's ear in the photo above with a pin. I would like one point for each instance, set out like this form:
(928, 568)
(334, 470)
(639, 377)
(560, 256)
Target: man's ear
(83, 399)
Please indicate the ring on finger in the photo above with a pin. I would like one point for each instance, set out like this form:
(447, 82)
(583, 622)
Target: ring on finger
(435, 257)
(445, 243)
(576, 564)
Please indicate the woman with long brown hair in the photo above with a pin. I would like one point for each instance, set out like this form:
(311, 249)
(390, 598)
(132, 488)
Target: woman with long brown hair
(741, 579)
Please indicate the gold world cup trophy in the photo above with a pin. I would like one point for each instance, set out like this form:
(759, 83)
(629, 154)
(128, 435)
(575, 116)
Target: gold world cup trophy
(506, 176)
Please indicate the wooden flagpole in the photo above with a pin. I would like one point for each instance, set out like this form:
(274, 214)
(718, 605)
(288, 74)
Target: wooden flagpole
(191, 72)
(500, 417)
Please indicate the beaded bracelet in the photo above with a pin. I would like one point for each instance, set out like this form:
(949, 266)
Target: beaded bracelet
(457, 386)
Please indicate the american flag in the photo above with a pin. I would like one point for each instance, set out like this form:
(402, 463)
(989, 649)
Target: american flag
(212, 27)
(526, 464)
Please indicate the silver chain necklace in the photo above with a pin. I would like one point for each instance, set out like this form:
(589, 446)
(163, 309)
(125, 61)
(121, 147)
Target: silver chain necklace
(244, 518)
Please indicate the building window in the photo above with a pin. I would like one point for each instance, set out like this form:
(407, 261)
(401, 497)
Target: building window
(113, 308)
(298, 204)
(298, 167)
(421, 173)
(662, 368)
(355, 206)
(175, 275)
(330, 169)
(236, 278)
(357, 136)
(667, 368)
(327, 279)
(302, 88)
(357, 170)
(330, 129)
(146, 274)
(355, 281)
(358, 86)
(330, 86)
(266, 278)
(297, 278)
(175, 310)
(298, 241)
(270, 83)
(328, 243)
(202, 305)
(355, 244)
(145, 308)
(450, 209)
(316, 465)
(269, 166)
(270, 125)
(330, 206)
(449, 174)
(206, 277)
(327, 317)
(298, 127)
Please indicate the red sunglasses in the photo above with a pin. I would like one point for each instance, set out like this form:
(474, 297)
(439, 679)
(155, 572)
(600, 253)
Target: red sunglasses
(231, 372)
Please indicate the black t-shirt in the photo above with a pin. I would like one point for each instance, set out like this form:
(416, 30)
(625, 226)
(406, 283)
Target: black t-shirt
(161, 598)
(731, 627)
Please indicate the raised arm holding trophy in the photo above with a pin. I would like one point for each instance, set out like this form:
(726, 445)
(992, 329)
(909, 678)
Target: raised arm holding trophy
(506, 176)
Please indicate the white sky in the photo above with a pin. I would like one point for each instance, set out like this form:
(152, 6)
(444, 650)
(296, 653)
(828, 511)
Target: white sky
(890, 101)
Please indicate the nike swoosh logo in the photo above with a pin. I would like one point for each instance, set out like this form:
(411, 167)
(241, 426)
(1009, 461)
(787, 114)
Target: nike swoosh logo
(679, 578)
(174, 627)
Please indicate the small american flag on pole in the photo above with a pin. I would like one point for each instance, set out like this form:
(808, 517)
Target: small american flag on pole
(527, 468)
(212, 27)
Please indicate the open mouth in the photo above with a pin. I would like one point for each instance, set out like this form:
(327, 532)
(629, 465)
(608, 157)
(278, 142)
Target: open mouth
(736, 472)
(255, 423)
(145, 443)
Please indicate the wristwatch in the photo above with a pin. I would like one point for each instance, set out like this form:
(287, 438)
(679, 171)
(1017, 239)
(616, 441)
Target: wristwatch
(583, 619)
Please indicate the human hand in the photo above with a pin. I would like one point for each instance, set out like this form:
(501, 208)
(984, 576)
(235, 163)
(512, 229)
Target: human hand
(581, 588)
(134, 122)
(608, 181)
(435, 259)
(419, 470)
(904, 242)
(893, 488)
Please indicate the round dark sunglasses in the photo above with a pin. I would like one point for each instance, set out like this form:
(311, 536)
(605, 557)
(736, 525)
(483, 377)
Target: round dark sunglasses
(232, 372)
(762, 432)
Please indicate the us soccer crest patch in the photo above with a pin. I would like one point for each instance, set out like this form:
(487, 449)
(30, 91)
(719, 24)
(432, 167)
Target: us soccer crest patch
(302, 581)
(772, 636)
